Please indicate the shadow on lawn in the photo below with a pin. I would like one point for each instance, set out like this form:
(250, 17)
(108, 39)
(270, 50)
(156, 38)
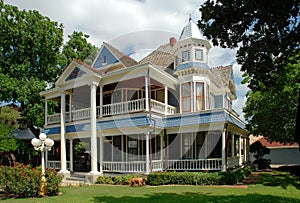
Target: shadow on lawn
(282, 180)
(195, 197)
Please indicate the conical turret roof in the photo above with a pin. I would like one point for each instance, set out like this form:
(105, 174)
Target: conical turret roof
(191, 30)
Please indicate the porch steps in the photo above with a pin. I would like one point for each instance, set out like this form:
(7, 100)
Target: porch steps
(75, 179)
(253, 178)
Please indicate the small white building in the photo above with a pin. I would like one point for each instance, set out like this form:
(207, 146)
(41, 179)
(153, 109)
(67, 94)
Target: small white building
(169, 111)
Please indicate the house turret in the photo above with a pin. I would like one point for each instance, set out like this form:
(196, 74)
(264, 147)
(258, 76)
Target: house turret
(191, 48)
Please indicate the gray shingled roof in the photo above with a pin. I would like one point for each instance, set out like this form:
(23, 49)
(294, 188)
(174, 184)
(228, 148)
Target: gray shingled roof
(161, 57)
(191, 30)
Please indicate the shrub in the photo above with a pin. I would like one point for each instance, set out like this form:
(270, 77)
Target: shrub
(263, 163)
(198, 178)
(118, 180)
(236, 175)
(184, 178)
(23, 181)
(104, 180)
(52, 180)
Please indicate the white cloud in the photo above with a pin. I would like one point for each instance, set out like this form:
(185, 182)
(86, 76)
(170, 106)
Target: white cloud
(238, 106)
(105, 20)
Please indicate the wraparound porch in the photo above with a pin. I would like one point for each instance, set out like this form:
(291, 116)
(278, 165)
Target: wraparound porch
(163, 165)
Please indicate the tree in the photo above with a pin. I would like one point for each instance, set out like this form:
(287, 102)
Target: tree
(266, 35)
(29, 49)
(78, 48)
(272, 110)
(259, 151)
(8, 122)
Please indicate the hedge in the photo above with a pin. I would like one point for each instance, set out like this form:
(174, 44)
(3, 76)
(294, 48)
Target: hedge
(199, 178)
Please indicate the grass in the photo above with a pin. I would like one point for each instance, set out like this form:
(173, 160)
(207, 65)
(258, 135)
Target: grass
(274, 187)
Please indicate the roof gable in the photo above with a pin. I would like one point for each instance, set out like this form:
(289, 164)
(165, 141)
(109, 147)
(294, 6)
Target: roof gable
(76, 70)
(109, 55)
(104, 58)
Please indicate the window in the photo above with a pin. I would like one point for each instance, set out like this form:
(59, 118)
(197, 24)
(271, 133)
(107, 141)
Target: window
(185, 56)
(212, 101)
(199, 54)
(200, 96)
(187, 148)
(207, 97)
(104, 59)
(186, 97)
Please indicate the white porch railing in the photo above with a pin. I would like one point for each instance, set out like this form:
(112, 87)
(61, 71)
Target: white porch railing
(171, 110)
(134, 166)
(195, 164)
(56, 164)
(124, 107)
(81, 114)
(54, 118)
(233, 161)
(113, 109)
(157, 165)
(157, 106)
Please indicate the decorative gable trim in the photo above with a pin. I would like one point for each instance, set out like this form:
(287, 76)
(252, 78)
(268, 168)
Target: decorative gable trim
(77, 72)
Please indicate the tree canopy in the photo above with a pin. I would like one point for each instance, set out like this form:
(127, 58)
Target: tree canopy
(32, 56)
(78, 48)
(8, 122)
(29, 49)
(266, 35)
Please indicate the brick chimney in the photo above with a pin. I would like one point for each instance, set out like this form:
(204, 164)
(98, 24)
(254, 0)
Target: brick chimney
(172, 41)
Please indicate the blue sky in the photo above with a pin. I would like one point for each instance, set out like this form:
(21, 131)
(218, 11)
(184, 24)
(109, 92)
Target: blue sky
(142, 24)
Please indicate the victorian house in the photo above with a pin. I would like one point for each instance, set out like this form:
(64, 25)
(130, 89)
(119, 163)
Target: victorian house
(169, 111)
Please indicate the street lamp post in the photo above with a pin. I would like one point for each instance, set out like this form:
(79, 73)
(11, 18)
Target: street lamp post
(43, 144)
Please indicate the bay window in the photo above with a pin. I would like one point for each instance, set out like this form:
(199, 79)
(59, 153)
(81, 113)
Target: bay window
(200, 102)
(186, 97)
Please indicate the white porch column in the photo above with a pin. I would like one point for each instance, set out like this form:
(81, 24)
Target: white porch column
(224, 150)
(63, 155)
(71, 155)
(147, 93)
(232, 145)
(180, 98)
(161, 136)
(193, 97)
(93, 113)
(245, 149)
(147, 154)
(101, 101)
(70, 107)
(46, 111)
(101, 153)
(166, 100)
(240, 150)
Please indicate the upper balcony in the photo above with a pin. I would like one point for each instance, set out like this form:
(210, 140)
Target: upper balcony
(133, 106)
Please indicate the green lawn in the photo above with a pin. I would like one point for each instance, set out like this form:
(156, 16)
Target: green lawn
(274, 188)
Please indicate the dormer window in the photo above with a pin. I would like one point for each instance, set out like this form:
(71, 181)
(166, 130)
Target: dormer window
(199, 54)
(185, 56)
(104, 60)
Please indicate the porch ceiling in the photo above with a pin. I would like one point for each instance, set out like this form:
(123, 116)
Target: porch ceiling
(138, 82)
